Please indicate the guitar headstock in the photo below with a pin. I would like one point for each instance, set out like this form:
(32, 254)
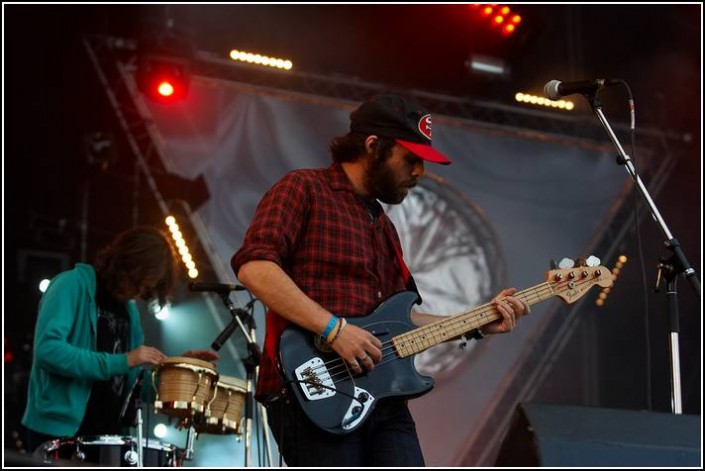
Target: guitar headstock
(570, 284)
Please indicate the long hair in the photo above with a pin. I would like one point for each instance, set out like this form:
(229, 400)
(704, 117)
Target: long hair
(351, 147)
(135, 256)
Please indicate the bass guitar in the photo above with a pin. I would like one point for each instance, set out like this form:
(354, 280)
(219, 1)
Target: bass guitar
(337, 400)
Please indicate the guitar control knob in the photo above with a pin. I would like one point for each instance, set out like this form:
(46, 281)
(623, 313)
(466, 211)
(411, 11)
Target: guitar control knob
(363, 397)
(357, 410)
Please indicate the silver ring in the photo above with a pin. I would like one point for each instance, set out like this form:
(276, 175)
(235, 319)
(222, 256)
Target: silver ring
(366, 357)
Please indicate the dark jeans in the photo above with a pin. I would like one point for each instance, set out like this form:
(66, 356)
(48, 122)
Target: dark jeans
(386, 439)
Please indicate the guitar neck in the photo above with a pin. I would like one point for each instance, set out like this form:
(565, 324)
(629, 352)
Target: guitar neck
(422, 338)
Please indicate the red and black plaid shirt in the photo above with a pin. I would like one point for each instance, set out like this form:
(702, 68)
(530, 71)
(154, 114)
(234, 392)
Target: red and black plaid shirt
(313, 225)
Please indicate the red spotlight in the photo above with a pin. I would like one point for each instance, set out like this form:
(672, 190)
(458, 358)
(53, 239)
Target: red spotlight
(508, 29)
(163, 80)
(165, 89)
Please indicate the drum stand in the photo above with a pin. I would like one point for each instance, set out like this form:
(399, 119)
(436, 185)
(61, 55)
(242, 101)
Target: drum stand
(133, 402)
(251, 363)
(140, 450)
(191, 434)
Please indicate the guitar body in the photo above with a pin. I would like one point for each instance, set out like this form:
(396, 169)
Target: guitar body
(325, 387)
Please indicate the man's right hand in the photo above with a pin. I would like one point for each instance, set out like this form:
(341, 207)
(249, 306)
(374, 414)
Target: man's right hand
(144, 355)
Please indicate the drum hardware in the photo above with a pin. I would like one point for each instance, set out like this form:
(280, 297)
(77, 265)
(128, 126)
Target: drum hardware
(108, 450)
(251, 363)
(191, 434)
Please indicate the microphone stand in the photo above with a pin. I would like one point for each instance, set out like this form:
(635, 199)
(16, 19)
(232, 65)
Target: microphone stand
(251, 363)
(140, 449)
(133, 405)
(675, 265)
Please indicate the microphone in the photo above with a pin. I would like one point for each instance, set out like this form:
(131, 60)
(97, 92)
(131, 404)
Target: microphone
(215, 287)
(556, 89)
(129, 410)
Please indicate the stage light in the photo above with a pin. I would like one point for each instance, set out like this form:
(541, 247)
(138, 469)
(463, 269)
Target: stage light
(500, 17)
(163, 80)
(619, 264)
(44, 284)
(259, 59)
(542, 101)
(182, 246)
(164, 58)
(485, 65)
(157, 310)
(160, 430)
(508, 29)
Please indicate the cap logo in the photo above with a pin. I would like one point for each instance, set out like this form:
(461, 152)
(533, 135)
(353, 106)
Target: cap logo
(425, 126)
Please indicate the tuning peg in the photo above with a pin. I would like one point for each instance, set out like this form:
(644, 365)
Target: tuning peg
(592, 261)
(566, 263)
(554, 265)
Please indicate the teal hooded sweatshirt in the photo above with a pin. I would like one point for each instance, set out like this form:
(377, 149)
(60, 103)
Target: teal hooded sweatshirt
(66, 362)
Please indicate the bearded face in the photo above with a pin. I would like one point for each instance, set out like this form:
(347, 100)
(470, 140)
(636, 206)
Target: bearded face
(389, 176)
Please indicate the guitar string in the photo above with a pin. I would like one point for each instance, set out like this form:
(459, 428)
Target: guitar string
(333, 366)
(536, 293)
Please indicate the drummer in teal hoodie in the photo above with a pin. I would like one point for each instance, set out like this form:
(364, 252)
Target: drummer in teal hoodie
(88, 341)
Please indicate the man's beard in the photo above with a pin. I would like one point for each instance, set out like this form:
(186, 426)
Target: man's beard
(381, 182)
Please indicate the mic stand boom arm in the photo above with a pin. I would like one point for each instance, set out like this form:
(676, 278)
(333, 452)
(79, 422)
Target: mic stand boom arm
(678, 264)
(670, 243)
(238, 315)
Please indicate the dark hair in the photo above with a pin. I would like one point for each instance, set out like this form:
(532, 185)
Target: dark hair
(136, 255)
(350, 147)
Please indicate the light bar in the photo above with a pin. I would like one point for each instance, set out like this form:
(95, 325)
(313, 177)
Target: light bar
(542, 101)
(182, 247)
(602, 297)
(259, 59)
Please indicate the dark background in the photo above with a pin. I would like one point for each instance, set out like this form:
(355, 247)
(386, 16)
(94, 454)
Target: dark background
(59, 207)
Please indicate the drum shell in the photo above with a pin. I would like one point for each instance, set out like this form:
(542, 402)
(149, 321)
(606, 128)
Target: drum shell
(184, 387)
(226, 409)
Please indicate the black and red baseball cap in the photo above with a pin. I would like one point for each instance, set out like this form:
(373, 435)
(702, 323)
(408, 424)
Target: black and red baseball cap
(394, 117)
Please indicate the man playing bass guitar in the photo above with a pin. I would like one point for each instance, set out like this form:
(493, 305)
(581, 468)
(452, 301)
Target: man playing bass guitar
(321, 253)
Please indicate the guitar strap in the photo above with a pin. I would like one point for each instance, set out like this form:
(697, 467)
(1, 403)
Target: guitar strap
(405, 273)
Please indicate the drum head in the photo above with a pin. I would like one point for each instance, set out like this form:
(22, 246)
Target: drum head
(187, 361)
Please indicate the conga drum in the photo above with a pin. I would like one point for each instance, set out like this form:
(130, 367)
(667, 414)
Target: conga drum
(224, 413)
(184, 387)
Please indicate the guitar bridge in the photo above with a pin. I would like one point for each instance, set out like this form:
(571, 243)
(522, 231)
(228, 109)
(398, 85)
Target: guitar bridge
(315, 380)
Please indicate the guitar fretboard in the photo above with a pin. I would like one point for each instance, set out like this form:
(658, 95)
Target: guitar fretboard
(418, 340)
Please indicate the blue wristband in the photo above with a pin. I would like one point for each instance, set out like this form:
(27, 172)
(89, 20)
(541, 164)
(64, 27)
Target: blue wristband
(331, 323)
